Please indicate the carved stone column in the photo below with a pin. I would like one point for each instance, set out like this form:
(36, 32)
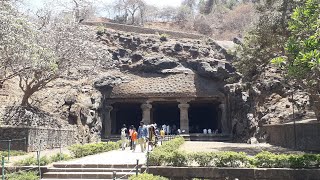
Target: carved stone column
(107, 121)
(224, 123)
(146, 117)
(184, 118)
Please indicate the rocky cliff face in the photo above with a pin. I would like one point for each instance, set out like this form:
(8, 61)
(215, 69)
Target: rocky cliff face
(75, 101)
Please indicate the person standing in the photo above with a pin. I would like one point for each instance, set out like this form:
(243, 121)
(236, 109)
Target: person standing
(134, 138)
(130, 134)
(142, 136)
(123, 137)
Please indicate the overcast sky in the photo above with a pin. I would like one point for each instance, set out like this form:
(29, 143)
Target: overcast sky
(159, 3)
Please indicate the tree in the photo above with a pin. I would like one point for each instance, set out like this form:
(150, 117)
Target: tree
(302, 56)
(17, 42)
(132, 8)
(266, 39)
(40, 55)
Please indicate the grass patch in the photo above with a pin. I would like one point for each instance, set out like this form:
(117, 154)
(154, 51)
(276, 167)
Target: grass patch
(30, 175)
(79, 150)
(12, 153)
(169, 155)
(44, 160)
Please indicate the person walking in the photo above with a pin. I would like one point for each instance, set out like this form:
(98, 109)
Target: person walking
(130, 135)
(142, 136)
(134, 138)
(123, 137)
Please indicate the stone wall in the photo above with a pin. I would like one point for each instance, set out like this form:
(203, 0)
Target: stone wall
(307, 135)
(143, 30)
(32, 138)
(186, 173)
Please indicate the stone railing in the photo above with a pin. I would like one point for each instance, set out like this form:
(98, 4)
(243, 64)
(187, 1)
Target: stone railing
(178, 173)
(307, 135)
(35, 138)
(143, 30)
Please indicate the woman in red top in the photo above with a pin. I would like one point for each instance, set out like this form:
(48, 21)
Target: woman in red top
(134, 138)
(130, 134)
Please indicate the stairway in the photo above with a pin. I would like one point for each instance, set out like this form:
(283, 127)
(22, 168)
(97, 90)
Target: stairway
(90, 171)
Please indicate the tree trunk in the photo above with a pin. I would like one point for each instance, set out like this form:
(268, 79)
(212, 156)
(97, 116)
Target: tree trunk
(315, 103)
(25, 98)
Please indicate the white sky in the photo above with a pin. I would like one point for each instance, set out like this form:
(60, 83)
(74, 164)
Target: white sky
(159, 3)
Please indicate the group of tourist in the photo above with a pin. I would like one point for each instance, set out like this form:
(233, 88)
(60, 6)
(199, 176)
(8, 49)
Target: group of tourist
(145, 136)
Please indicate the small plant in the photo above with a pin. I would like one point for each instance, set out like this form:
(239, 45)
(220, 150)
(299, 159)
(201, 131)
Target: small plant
(27, 161)
(270, 160)
(178, 158)
(60, 157)
(100, 30)
(146, 176)
(164, 37)
(79, 150)
(203, 159)
(232, 159)
(30, 175)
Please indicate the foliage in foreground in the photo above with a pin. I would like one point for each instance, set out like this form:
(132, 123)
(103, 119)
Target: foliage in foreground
(12, 153)
(44, 160)
(79, 150)
(146, 176)
(31, 175)
(169, 155)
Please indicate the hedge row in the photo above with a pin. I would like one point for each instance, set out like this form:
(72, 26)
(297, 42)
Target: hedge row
(79, 150)
(44, 160)
(169, 155)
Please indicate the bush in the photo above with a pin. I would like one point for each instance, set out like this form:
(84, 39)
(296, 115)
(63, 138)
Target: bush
(203, 159)
(232, 159)
(145, 176)
(304, 161)
(79, 150)
(271, 160)
(164, 37)
(44, 160)
(177, 158)
(60, 157)
(167, 153)
(31, 175)
(12, 153)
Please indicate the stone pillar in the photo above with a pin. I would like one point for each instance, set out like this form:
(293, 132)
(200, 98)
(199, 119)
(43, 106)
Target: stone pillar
(107, 121)
(224, 123)
(184, 118)
(146, 116)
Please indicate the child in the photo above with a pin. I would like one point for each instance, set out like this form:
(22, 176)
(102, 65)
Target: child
(134, 139)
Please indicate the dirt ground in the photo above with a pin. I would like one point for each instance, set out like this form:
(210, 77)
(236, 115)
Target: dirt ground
(250, 149)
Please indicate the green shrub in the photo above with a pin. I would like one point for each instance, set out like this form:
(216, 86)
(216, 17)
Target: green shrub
(270, 160)
(232, 159)
(304, 161)
(31, 175)
(12, 153)
(164, 37)
(27, 161)
(145, 176)
(203, 159)
(164, 155)
(60, 157)
(44, 160)
(79, 150)
(177, 158)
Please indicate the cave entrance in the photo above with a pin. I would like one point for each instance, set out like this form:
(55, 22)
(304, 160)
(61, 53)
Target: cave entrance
(126, 113)
(203, 115)
(166, 113)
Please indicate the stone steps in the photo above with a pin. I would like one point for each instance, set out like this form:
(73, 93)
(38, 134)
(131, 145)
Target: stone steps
(89, 171)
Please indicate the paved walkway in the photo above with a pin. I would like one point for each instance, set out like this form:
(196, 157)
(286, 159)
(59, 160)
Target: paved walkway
(113, 157)
(250, 149)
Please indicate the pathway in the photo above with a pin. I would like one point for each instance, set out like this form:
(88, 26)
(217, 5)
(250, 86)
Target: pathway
(250, 149)
(113, 157)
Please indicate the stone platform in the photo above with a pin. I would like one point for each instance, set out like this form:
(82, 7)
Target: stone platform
(207, 137)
